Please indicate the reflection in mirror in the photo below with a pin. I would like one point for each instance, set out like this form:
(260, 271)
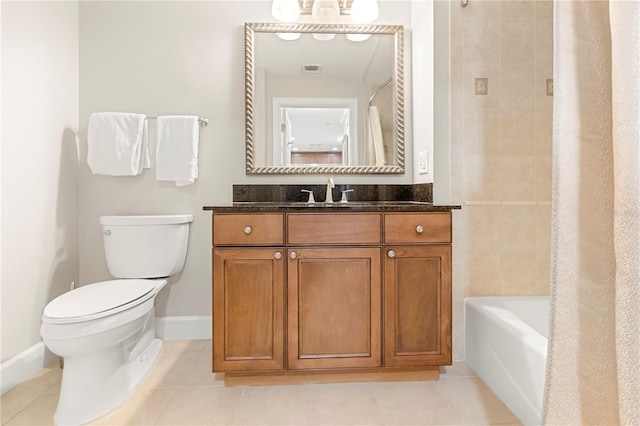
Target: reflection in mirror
(324, 98)
(314, 131)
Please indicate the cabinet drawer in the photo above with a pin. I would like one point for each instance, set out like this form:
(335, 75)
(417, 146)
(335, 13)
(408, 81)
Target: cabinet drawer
(346, 228)
(248, 229)
(416, 228)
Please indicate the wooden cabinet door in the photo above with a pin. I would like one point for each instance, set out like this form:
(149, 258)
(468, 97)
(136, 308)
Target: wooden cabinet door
(334, 308)
(248, 309)
(417, 306)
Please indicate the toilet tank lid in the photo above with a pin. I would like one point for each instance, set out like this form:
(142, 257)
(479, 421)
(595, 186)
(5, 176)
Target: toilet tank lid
(146, 220)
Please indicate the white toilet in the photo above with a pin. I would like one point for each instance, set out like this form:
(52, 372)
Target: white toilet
(106, 331)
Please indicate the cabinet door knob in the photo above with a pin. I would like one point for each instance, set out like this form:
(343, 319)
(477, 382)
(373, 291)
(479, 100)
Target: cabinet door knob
(391, 253)
(247, 230)
(277, 255)
(293, 255)
(419, 229)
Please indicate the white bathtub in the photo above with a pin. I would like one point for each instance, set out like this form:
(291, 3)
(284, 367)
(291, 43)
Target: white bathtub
(506, 346)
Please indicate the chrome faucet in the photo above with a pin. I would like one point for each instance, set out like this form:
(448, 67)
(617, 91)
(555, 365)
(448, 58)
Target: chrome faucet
(329, 196)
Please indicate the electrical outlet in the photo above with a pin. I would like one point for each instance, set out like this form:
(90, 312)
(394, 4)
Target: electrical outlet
(423, 162)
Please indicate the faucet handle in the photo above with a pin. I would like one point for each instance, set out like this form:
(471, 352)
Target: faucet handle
(311, 199)
(344, 195)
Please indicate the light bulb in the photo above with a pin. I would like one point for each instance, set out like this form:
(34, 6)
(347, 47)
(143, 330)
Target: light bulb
(358, 37)
(285, 10)
(323, 36)
(289, 36)
(363, 11)
(325, 10)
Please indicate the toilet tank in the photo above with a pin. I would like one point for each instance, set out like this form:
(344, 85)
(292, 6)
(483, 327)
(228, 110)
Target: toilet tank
(145, 246)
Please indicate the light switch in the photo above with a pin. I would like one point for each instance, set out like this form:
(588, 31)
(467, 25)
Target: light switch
(423, 162)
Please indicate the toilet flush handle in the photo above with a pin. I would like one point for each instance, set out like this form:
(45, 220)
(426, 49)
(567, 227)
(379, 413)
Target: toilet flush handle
(107, 232)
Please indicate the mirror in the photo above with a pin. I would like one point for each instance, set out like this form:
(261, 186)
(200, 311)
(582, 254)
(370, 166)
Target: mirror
(324, 99)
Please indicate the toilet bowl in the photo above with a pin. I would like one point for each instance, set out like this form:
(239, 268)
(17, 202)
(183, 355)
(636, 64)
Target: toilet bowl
(106, 330)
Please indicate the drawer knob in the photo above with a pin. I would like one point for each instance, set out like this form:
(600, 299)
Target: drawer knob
(419, 229)
(277, 255)
(293, 255)
(391, 253)
(247, 230)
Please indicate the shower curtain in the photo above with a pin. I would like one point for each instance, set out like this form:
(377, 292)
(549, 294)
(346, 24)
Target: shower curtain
(375, 144)
(593, 364)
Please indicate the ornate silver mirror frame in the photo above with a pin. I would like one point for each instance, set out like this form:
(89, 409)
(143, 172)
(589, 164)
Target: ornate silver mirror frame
(398, 78)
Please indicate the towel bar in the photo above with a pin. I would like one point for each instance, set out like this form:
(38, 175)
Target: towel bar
(204, 122)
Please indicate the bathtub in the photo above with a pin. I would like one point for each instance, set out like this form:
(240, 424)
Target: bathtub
(506, 346)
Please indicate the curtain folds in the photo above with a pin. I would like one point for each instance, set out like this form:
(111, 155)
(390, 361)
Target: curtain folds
(593, 364)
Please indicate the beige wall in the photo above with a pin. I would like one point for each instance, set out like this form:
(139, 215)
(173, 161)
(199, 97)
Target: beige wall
(501, 149)
(423, 85)
(179, 58)
(39, 164)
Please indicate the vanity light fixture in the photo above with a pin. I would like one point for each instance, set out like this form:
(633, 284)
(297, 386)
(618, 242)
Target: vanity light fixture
(323, 36)
(358, 37)
(361, 11)
(289, 36)
(325, 10)
(285, 10)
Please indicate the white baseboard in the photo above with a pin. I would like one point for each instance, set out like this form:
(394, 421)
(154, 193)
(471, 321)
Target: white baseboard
(184, 328)
(19, 368)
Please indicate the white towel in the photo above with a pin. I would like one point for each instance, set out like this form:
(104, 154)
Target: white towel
(177, 148)
(117, 144)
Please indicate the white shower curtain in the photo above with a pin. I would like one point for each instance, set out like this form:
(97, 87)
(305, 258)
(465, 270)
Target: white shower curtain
(593, 365)
(375, 144)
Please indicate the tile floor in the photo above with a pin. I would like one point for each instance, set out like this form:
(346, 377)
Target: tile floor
(181, 390)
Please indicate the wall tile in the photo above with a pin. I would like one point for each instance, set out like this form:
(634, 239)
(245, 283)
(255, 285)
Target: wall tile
(544, 9)
(481, 9)
(481, 37)
(456, 35)
(457, 91)
(543, 73)
(517, 133)
(541, 283)
(482, 177)
(517, 87)
(484, 273)
(481, 131)
(543, 131)
(517, 40)
(517, 178)
(544, 40)
(517, 273)
(543, 177)
(483, 227)
(517, 9)
(490, 71)
(457, 162)
(518, 232)
(543, 229)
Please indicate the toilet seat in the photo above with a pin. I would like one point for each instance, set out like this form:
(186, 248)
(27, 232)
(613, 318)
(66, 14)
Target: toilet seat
(98, 300)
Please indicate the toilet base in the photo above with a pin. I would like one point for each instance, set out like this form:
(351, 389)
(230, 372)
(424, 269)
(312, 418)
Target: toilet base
(86, 397)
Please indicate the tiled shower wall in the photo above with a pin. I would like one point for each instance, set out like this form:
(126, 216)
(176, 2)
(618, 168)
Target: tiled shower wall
(501, 112)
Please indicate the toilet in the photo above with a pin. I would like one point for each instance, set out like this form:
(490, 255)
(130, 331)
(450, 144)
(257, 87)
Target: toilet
(106, 331)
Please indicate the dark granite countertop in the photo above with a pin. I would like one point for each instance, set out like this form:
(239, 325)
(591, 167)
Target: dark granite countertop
(361, 206)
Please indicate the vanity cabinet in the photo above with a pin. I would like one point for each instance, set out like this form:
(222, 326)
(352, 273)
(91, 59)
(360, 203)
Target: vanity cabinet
(417, 289)
(248, 293)
(338, 291)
